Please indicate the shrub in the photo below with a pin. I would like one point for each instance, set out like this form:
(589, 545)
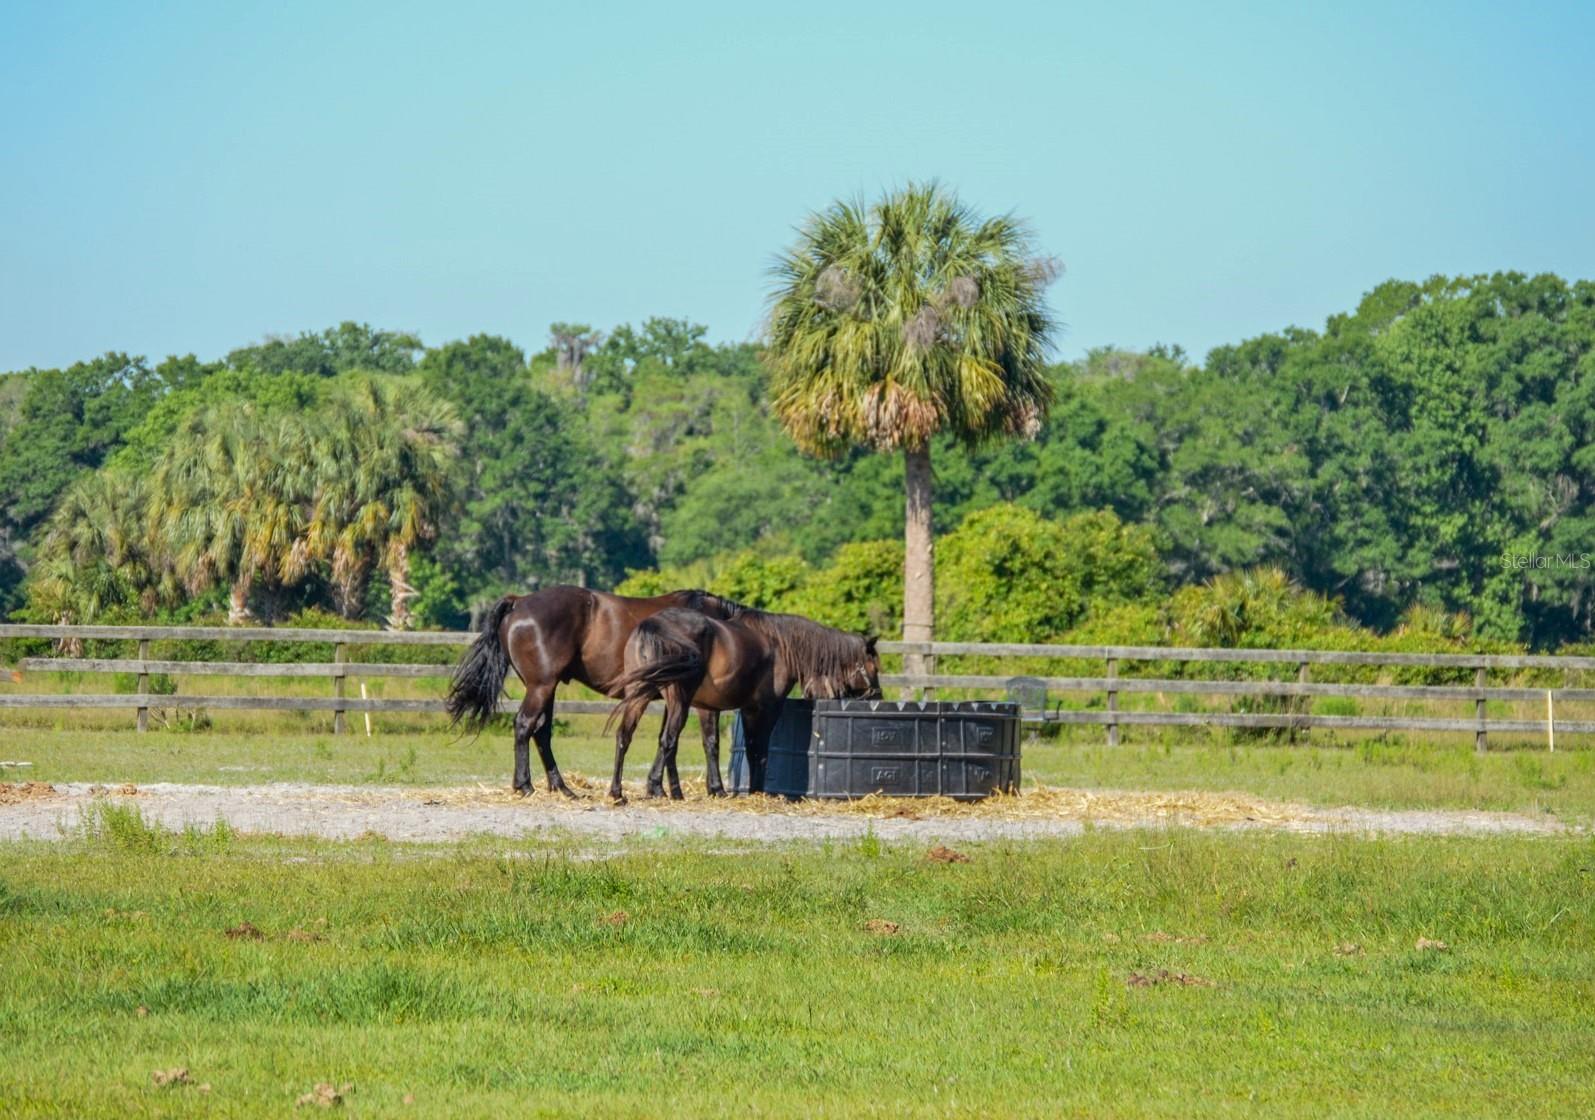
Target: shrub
(1009, 574)
(860, 590)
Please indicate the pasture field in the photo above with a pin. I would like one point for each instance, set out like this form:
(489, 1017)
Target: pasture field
(1145, 973)
(1389, 773)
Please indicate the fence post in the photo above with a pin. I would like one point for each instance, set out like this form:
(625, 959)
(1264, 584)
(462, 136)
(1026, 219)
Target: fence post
(339, 656)
(1481, 739)
(143, 685)
(1113, 702)
(1301, 703)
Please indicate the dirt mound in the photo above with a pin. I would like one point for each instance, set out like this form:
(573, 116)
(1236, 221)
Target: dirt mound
(15, 793)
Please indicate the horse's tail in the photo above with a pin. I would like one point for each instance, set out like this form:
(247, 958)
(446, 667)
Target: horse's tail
(660, 661)
(479, 678)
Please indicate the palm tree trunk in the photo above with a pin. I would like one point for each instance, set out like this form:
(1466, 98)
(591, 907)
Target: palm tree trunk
(919, 562)
(238, 601)
(400, 592)
(349, 593)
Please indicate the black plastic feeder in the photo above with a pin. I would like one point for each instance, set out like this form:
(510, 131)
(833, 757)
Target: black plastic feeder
(852, 748)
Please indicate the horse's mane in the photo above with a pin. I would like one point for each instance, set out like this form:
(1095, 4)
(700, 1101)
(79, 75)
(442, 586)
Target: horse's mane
(715, 606)
(822, 656)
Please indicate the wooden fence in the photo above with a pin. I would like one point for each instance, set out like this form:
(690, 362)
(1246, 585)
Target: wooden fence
(1033, 691)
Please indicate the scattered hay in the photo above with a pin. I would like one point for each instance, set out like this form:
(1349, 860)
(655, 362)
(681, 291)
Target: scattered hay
(170, 1078)
(882, 927)
(617, 919)
(1163, 976)
(1158, 937)
(15, 793)
(943, 854)
(302, 935)
(325, 1096)
(244, 931)
(1185, 807)
(1348, 949)
(1426, 945)
(126, 789)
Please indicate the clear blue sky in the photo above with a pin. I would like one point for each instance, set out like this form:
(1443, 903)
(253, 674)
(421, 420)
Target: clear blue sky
(192, 177)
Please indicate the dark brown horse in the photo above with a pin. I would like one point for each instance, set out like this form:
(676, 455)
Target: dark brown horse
(561, 634)
(748, 661)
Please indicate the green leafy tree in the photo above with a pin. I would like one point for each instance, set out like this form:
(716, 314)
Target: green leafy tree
(342, 349)
(1008, 571)
(572, 343)
(539, 505)
(276, 393)
(768, 583)
(66, 423)
(894, 323)
(861, 589)
(672, 414)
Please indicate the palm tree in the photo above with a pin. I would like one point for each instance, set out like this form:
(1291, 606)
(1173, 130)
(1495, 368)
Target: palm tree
(340, 531)
(230, 501)
(397, 444)
(893, 323)
(95, 554)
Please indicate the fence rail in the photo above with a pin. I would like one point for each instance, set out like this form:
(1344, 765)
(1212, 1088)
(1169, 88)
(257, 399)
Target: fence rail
(1111, 686)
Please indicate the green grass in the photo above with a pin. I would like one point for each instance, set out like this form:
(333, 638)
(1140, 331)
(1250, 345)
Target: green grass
(1367, 772)
(483, 979)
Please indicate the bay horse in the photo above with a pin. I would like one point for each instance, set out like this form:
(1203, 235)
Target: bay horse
(748, 661)
(559, 634)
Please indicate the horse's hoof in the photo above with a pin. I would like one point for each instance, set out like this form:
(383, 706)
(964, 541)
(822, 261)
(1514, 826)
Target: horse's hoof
(656, 791)
(524, 791)
(568, 792)
(718, 793)
(617, 799)
(677, 795)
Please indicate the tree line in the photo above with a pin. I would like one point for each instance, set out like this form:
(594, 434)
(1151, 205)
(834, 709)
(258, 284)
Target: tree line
(1428, 456)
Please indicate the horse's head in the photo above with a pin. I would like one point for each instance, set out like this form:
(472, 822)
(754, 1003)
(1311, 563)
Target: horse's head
(860, 680)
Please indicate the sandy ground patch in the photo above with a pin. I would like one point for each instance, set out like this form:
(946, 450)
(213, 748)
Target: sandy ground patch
(405, 813)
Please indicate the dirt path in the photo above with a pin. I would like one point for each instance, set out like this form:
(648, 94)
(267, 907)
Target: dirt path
(48, 812)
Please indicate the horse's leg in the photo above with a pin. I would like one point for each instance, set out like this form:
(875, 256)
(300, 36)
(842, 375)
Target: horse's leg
(757, 724)
(710, 723)
(677, 701)
(675, 721)
(623, 734)
(534, 718)
(656, 772)
(543, 736)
